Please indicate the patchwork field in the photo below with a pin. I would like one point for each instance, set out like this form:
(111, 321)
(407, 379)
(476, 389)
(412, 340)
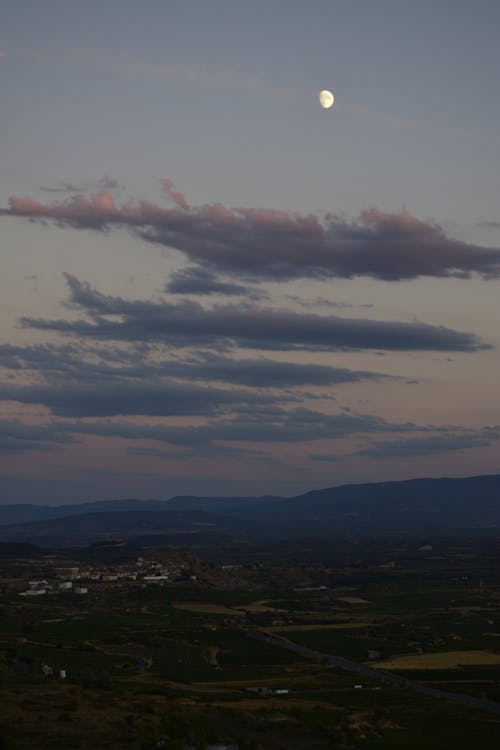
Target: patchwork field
(207, 608)
(151, 664)
(322, 626)
(443, 660)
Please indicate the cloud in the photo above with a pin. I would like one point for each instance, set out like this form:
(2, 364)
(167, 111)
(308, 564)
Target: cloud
(198, 280)
(488, 224)
(219, 77)
(105, 365)
(233, 436)
(43, 358)
(3, 56)
(146, 452)
(108, 183)
(104, 183)
(326, 457)
(396, 121)
(393, 121)
(428, 445)
(119, 398)
(203, 450)
(65, 187)
(273, 425)
(19, 437)
(266, 373)
(277, 245)
(325, 302)
(178, 199)
(188, 323)
(230, 78)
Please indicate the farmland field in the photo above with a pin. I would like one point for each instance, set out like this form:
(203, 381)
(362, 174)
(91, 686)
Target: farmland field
(440, 660)
(183, 661)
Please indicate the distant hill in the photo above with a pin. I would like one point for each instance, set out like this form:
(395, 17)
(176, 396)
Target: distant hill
(446, 506)
(11, 514)
(19, 550)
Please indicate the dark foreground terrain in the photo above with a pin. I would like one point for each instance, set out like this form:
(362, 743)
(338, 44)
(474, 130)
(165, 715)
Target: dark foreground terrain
(346, 644)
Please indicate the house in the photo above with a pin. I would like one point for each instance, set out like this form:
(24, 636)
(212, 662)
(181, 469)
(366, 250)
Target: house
(259, 690)
(156, 578)
(267, 690)
(33, 592)
(38, 584)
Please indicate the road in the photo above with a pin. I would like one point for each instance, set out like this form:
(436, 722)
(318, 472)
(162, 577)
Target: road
(376, 674)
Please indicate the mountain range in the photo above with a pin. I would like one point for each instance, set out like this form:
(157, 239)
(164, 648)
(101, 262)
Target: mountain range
(446, 506)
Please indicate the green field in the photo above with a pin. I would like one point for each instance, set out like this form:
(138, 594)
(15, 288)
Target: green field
(142, 669)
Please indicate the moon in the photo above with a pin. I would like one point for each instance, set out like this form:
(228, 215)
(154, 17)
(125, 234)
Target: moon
(326, 99)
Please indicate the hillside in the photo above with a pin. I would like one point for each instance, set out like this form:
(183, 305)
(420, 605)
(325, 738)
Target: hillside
(421, 506)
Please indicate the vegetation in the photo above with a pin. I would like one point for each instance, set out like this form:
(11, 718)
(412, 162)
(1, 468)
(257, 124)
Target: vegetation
(178, 665)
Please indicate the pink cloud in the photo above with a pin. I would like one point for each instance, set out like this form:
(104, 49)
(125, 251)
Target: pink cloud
(404, 220)
(176, 197)
(267, 243)
(95, 210)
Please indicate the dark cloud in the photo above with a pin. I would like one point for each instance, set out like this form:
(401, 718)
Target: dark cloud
(489, 224)
(225, 451)
(63, 187)
(19, 437)
(236, 436)
(266, 373)
(325, 457)
(80, 363)
(10, 445)
(277, 245)
(426, 446)
(120, 398)
(145, 452)
(104, 183)
(325, 302)
(44, 358)
(188, 323)
(59, 364)
(262, 426)
(198, 280)
(108, 183)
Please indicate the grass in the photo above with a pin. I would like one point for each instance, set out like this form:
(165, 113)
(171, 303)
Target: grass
(353, 644)
(192, 658)
(323, 626)
(441, 660)
(207, 608)
(437, 732)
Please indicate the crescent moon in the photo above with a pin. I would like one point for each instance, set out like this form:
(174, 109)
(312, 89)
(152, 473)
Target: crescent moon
(326, 99)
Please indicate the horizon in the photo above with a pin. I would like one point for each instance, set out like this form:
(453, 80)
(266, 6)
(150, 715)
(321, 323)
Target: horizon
(215, 287)
(253, 497)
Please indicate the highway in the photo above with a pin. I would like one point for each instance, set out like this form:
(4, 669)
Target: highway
(375, 674)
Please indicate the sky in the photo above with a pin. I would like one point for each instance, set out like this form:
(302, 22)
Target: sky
(209, 284)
